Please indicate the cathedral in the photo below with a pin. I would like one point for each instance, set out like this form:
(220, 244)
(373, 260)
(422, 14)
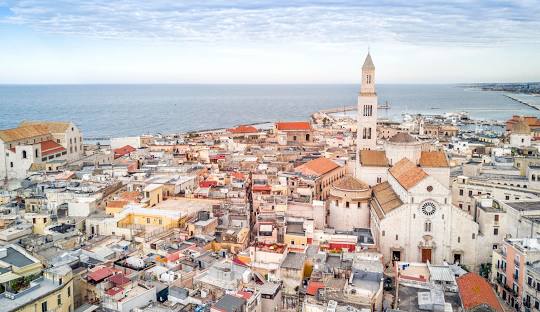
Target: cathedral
(410, 211)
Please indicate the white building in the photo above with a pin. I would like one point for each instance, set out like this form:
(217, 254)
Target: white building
(520, 135)
(37, 143)
(412, 217)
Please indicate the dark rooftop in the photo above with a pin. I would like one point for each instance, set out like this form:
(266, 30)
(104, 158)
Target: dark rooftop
(524, 205)
(229, 303)
(14, 257)
(294, 260)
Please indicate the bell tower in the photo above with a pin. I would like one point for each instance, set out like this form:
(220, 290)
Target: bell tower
(366, 137)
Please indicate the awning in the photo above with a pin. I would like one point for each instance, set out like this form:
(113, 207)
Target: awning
(8, 276)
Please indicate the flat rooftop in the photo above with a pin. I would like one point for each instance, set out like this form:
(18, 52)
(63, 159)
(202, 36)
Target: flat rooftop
(524, 205)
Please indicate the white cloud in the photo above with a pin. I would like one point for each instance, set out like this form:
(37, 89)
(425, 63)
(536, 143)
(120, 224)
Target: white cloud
(476, 23)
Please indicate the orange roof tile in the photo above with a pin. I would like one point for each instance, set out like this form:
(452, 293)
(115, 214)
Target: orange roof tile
(475, 292)
(371, 158)
(313, 287)
(22, 133)
(293, 126)
(407, 173)
(387, 199)
(433, 159)
(50, 147)
(117, 203)
(243, 129)
(317, 167)
(52, 126)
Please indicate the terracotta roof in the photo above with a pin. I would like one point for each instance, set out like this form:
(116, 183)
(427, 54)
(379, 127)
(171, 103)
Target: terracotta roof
(313, 287)
(293, 126)
(371, 158)
(475, 292)
(113, 291)
(124, 150)
(117, 203)
(387, 199)
(402, 137)
(350, 183)
(317, 167)
(243, 129)
(50, 147)
(119, 279)
(433, 159)
(52, 126)
(521, 127)
(22, 133)
(100, 274)
(407, 173)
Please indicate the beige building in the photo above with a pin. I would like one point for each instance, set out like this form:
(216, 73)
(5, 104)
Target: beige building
(295, 132)
(321, 173)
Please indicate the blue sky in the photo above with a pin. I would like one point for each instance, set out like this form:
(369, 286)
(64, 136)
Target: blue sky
(213, 41)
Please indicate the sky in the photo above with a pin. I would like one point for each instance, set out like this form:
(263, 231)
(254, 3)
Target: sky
(218, 41)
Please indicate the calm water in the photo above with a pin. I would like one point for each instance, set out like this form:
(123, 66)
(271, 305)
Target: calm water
(116, 110)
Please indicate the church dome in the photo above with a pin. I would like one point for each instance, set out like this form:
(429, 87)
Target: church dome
(521, 127)
(349, 183)
(402, 137)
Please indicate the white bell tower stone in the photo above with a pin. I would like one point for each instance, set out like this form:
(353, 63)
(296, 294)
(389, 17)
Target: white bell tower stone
(367, 109)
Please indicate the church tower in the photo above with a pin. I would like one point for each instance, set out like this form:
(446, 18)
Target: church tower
(367, 108)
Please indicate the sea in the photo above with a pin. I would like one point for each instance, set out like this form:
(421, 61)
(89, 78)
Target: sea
(104, 111)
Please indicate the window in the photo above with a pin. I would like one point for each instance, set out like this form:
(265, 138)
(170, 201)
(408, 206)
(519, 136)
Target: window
(294, 138)
(496, 231)
(397, 237)
(346, 204)
(383, 233)
(507, 197)
(470, 193)
(11, 164)
(59, 299)
(496, 218)
(36, 153)
(69, 291)
(379, 179)
(473, 236)
(461, 192)
(24, 156)
(44, 306)
(148, 220)
(427, 226)
(459, 239)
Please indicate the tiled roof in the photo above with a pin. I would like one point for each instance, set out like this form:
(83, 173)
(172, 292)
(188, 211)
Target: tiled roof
(119, 279)
(52, 126)
(371, 158)
(100, 274)
(407, 173)
(113, 291)
(317, 167)
(351, 183)
(313, 287)
(402, 137)
(50, 147)
(117, 203)
(23, 133)
(387, 199)
(433, 159)
(293, 126)
(124, 150)
(243, 129)
(475, 292)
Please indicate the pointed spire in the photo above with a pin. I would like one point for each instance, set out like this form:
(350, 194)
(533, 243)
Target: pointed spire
(368, 63)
